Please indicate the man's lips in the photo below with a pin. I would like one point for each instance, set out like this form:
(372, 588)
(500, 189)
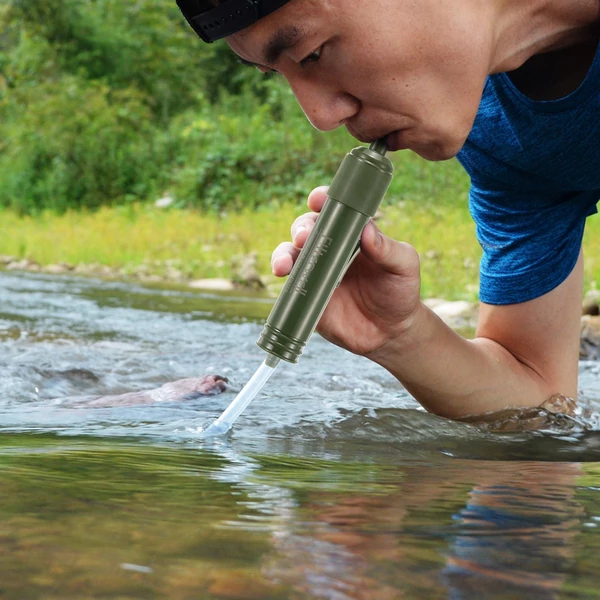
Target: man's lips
(396, 140)
(393, 139)
(365, 138)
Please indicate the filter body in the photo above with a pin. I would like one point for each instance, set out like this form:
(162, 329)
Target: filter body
(354, 197)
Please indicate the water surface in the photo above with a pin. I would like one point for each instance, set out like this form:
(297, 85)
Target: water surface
(333, 484)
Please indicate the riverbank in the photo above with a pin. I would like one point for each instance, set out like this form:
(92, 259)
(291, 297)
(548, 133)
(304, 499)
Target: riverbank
(151, 244)
(461, 315)
(226, 251)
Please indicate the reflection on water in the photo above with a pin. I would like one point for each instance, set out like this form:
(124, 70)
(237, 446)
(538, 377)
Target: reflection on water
(333, 485)
(91, 518)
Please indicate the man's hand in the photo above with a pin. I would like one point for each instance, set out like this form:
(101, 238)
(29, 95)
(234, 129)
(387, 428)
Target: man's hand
(379, 294)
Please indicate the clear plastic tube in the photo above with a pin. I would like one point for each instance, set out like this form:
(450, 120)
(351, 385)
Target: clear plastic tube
(223, 424)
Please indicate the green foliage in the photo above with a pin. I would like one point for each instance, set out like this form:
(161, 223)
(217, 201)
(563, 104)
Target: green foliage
(250, 152)
(112, 101)
(100, 102)
(75, 146)
(144, 44)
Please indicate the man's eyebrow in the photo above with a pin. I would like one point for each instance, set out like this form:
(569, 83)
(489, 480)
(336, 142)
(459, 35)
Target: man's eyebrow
(282, 40)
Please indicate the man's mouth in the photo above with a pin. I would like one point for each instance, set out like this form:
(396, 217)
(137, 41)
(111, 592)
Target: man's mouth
(394, 139)
(364, 138)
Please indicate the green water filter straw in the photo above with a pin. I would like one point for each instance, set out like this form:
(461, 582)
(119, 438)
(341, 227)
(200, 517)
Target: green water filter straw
(354, 197)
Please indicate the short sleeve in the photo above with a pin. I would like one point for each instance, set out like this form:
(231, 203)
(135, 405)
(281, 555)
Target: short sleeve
(530, 243)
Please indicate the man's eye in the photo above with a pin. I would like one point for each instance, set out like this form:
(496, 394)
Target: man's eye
(312, 57)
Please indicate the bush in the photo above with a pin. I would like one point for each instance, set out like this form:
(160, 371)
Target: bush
(66, 144)
(244, 152)
(110, 101)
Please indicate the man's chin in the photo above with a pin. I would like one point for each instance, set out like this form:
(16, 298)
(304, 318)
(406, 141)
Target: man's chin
(436, 154)
(438, 151)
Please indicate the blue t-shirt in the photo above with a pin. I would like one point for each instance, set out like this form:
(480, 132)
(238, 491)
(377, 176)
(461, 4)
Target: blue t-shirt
(535, 177)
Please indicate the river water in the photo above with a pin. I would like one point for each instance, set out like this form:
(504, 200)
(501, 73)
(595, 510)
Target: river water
(333, 484)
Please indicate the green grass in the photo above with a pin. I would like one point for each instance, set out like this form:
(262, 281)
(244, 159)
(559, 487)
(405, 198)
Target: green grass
(206, 245)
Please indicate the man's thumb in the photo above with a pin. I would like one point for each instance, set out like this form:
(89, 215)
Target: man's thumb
(392, 256)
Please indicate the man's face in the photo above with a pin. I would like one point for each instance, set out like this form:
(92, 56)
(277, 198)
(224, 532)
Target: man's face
(410, 70)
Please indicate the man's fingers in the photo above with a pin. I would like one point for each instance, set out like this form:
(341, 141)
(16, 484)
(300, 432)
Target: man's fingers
(317, 198)
(283, 258)
(302, 227)
(285, 255)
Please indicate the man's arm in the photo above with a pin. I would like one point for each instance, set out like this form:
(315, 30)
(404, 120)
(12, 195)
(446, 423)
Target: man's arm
(522, 355)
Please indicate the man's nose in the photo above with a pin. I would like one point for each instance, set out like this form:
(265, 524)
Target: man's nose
(325, 107)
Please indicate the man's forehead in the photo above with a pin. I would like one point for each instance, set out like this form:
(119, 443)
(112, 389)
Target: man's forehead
(264, 41)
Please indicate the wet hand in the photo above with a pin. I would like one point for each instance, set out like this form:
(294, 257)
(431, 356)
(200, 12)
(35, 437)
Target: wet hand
(380, 293)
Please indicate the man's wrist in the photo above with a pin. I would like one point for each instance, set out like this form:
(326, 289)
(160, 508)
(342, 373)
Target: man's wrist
(416, 332)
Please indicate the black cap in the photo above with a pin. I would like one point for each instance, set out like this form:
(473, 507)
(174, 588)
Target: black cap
(215, 22)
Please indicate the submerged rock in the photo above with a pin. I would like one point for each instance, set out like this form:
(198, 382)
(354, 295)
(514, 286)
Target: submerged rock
(216, 284)
(589, 338)
(591, 303)
(25, 264)
(173, 391)
(58, 268)
(455, 314)
(246, 273)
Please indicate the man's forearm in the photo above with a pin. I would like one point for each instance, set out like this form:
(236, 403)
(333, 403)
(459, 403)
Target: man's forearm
(455, 377)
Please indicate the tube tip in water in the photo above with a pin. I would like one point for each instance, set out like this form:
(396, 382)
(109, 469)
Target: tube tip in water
(216, 429)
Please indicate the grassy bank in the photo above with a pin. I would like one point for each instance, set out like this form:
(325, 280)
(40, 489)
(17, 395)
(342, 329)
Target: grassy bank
(204, 246)
(141, 238)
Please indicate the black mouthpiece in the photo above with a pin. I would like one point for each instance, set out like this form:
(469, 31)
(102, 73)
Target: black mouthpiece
(379, 146)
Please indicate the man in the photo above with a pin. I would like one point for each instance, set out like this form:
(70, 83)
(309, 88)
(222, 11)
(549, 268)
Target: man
(511, 87)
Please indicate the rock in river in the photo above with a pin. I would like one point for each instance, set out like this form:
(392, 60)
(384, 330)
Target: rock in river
(173, 391)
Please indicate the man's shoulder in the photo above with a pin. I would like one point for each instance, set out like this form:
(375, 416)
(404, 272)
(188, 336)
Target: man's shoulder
(523, 142)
